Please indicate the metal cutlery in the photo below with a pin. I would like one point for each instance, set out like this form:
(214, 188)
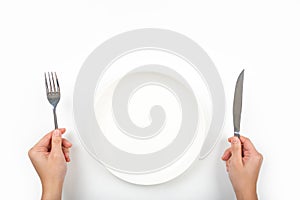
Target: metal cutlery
(53, 92)
(237, 104)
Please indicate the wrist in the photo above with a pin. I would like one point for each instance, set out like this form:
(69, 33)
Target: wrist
(52, 191)
(247, 195)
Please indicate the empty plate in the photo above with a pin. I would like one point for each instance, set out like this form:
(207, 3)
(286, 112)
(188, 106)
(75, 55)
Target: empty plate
(147, 104)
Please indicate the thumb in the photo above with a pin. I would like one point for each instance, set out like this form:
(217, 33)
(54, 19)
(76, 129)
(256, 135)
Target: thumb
(236, 148)
(56, 141)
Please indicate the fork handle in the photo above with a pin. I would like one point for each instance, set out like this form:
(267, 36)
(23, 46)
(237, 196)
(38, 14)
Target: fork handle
(55, 118)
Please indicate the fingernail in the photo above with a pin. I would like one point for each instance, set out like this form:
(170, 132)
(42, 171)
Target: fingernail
(234, 140)
(56, 133)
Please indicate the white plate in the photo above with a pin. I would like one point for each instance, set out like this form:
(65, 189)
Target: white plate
(147, 151)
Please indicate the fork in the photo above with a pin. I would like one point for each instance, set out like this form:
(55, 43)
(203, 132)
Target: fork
(53, 92)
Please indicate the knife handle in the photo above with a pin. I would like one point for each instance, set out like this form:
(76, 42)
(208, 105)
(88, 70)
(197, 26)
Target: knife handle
(237, 134)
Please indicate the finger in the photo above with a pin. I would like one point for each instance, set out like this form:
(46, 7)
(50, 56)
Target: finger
(66, 152)
(67, 157)
(56, 144)
(46, 140)
(66, 143)
(227, 154)
(236, 150)
(247, 144)
(229, 139)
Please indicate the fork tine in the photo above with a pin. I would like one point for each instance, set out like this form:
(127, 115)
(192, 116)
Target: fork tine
(58, 89)
(49, 79)
(54, 87)
(47, 89)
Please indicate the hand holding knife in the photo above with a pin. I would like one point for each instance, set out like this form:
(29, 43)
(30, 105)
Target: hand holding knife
(245, 162)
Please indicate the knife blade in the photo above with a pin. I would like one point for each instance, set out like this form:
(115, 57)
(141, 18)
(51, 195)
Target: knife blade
(237, 104)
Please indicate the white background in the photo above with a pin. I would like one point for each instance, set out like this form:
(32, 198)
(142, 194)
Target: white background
(261, 36)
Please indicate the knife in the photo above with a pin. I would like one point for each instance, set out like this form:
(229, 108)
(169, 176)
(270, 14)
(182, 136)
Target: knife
(237, 104)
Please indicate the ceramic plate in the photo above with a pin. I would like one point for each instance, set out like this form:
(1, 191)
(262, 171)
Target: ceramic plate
(147, 107)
